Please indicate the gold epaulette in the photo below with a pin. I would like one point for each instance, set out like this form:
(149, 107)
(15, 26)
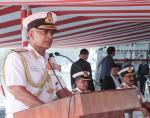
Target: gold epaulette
(20, 50)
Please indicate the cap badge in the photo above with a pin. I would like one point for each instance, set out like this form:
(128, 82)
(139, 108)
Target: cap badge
(49, 18)
(85, 74)
(129, 70)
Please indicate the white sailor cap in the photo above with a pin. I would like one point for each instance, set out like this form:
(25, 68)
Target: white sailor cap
(84, 75)
(41, 20)
(126, 71)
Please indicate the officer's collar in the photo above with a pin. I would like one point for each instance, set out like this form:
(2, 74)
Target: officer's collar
(127, 86)
(77, 89)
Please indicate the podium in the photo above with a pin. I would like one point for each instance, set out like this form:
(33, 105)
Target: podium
(102, 104)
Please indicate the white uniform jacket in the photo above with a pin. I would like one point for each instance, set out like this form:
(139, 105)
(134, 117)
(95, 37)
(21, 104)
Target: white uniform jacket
(15, 75)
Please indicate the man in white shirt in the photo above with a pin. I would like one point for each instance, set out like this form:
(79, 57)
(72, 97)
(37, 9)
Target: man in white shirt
(81, 79)
(26, 78)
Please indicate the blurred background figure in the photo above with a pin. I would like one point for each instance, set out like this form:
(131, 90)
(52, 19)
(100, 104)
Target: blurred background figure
(82, 65)
(143, 70)
(106, 63)
(112, 81)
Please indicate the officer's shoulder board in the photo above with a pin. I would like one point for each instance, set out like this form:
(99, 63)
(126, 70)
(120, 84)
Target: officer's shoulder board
(75, 91)
(18, 50)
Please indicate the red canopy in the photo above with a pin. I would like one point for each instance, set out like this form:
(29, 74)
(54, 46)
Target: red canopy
(82, 23)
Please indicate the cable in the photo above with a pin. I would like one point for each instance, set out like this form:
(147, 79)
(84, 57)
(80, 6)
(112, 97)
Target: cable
(51, 55)
(56, 76)
(69, 105)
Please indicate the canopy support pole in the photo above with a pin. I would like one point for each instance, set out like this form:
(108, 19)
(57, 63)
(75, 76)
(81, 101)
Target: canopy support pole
(25, 11)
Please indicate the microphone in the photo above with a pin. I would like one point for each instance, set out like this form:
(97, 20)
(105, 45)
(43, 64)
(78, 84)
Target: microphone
(51, 55)
(58, 54)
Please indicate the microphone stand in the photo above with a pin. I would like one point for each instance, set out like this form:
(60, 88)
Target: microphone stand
(57, 77)
(70, 61)
(66, 57)
(61, 84)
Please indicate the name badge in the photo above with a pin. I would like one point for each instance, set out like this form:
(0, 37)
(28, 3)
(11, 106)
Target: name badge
(35, 69)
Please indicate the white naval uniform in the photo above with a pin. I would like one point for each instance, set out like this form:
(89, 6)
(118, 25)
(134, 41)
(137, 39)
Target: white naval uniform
(141, 100)
(15, 75)
(77, 90)
(140, 96)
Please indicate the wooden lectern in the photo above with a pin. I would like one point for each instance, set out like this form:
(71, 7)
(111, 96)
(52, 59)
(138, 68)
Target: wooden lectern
(103, 104)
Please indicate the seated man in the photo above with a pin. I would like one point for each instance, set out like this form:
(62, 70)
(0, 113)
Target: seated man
(81, 81)
(112, 81)
(128, 77)
(128, 81)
